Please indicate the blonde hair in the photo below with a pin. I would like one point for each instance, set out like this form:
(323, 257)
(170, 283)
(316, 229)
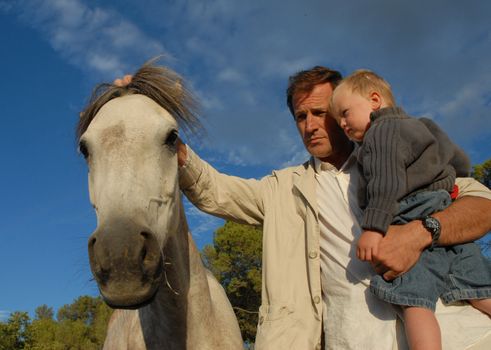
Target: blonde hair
(364, 82)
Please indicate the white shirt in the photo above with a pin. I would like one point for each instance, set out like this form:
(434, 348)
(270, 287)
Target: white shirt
(344, 277)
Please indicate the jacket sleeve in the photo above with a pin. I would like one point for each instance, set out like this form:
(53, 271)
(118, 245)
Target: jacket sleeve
(229, 197)
(471, 187)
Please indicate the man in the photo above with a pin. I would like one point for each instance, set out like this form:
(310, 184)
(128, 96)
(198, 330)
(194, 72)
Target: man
(309, 216)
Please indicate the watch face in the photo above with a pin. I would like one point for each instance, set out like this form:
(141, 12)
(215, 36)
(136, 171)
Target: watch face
(431, 224)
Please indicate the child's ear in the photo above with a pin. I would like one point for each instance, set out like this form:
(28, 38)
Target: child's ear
(376, 100)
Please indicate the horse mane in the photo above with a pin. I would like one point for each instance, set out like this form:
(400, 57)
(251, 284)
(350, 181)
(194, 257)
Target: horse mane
(161, 84)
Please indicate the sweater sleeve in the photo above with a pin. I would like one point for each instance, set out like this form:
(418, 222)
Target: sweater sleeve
(383, 157)
(459, 159)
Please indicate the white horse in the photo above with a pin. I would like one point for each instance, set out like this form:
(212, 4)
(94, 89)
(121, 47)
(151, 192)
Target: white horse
(141, 254)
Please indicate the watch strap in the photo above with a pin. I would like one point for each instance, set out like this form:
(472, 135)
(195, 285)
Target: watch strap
(432, 225)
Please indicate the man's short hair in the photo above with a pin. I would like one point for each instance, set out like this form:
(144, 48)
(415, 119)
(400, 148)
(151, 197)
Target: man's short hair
(364, 82)
(305, 81)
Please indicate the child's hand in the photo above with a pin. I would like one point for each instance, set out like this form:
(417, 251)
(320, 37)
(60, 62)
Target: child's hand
(368, 245)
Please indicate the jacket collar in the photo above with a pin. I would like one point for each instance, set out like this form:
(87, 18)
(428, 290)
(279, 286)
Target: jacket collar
(304, 182)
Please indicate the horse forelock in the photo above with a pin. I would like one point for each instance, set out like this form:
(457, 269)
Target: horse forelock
(162, 85)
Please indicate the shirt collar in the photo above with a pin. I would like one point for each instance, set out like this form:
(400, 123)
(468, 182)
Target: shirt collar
(320, 166)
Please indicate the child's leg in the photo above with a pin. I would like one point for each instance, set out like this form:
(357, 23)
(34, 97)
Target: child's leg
(422, 329)
(483, 305)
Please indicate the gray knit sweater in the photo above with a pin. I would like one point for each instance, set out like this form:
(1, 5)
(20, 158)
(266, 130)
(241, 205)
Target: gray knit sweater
(400, 156)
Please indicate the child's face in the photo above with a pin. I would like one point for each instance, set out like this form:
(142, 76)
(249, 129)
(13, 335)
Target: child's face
(351, 111)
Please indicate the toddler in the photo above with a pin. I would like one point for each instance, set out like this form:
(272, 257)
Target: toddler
(409, 170)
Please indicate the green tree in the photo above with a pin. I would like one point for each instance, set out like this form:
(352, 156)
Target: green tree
(482, 173)
(82, 309)
(101, 320)
(14, 333)
(81, 325)
(43, 334)
(235, 260)
(44, 312)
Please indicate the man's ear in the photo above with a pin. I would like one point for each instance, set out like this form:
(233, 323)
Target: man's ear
(376, 100)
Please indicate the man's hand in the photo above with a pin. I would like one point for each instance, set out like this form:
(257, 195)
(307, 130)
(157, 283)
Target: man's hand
(124, 81)
(182, 152)
(367, 246)
(400, 249)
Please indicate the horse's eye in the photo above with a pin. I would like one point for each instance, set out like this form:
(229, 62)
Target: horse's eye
(171, 138)
(82, 148)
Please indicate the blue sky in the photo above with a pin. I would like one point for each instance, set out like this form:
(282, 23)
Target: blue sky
(236, 57)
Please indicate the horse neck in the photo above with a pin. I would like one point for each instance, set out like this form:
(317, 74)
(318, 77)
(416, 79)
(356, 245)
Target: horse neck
(184, 270)
(183, 300)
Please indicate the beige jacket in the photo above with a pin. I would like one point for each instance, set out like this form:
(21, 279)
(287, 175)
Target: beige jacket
(285, 205)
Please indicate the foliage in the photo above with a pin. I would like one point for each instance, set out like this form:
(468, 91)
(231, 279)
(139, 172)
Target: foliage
(482, 173)
(235, 260)
(44, 312)
(83, 309)
(14, 333)
(81, 325)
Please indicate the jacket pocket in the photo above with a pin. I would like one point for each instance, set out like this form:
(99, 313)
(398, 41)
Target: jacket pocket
(273, 312)
(277, 328)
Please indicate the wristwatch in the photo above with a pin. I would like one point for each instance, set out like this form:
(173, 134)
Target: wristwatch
(432, 225)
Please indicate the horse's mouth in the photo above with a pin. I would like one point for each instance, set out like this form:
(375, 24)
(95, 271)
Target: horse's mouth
(129, 303)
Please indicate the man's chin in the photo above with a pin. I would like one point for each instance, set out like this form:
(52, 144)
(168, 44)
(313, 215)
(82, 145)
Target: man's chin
(319, 151)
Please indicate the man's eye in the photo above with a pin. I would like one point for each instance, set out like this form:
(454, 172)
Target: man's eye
(300, 117)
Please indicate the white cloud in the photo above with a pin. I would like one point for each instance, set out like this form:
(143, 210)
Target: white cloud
(438, 66)
(209, 101)
(230, 75)
(238, 56)
(4, 315)
(199, 222)
(91, 38)
(6, 6)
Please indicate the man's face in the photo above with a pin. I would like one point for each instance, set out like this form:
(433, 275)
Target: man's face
(320, 133)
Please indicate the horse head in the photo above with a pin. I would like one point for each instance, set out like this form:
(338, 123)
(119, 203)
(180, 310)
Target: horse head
(128, 137)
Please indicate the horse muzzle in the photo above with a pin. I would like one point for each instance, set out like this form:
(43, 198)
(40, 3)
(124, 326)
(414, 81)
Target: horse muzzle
(126, 262)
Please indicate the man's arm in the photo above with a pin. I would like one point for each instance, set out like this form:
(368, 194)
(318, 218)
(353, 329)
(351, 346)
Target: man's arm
(182, 152)
(467, 219)
(228, 197)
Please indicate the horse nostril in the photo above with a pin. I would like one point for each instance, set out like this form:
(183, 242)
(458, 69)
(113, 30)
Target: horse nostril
(150, 253)
(101, 273)
(143, 254)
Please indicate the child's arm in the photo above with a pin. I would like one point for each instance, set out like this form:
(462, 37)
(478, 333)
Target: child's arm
(383, 156)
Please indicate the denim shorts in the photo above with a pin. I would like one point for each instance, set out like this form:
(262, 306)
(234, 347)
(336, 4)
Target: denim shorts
(451, 273)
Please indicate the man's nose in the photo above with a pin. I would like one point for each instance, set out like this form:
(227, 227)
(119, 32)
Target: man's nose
(310, 123)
